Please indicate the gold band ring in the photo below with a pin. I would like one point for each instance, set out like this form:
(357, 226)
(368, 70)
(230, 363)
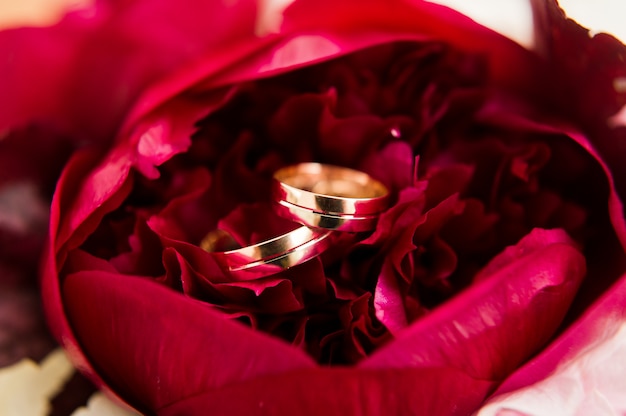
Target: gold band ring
(329, 196)
(270, 256)
(346, 223)
(323, 198)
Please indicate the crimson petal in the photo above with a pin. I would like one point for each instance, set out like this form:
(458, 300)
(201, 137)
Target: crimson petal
(602, 321)
(169, 338)
(311, 392)
(491, 327)
(98, 60)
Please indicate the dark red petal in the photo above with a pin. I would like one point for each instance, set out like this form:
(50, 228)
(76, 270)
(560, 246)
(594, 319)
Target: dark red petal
(491, 327)
(575, 54)
(394, 166)
(272, 295)
(545, 125)
(344, 141)
(253, 223)
(156, 347)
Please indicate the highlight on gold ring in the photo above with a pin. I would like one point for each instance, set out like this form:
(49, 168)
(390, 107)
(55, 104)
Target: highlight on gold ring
(266, 257)
(345, 223)
(327, 196)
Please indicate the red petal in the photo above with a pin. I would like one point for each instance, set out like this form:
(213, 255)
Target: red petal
(541, 125)
(157, 347)
(574, 55)
(98, 61)
(104, 188)
(339, 33)
(599, 323)
(50, 287)
(491, 327)
(440, 391)
(580, 83)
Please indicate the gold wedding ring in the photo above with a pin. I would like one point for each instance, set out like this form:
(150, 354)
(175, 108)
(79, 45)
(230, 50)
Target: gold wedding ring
(324, 198)
(267, 257)
(330, 197)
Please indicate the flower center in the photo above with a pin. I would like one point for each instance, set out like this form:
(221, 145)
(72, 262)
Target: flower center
(417, 117)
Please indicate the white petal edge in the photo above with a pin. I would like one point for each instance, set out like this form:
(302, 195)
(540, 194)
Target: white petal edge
(593, 383)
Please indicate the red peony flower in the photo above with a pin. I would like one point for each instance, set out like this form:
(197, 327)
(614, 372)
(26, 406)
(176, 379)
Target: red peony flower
(505, 228)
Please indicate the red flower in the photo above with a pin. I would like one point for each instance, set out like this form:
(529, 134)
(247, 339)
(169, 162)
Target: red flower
(505, 223)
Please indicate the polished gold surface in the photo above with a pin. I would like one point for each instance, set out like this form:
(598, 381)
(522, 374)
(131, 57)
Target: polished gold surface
(330, 189)
(267, 257)
(345, 223)
(324, 199)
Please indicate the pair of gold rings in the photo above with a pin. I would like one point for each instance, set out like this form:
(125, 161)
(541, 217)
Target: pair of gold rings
(325, 199)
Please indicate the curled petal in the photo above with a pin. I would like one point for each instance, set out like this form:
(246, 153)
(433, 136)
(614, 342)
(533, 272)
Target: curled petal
(146, 357)
(491, 327)
(580, 373)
